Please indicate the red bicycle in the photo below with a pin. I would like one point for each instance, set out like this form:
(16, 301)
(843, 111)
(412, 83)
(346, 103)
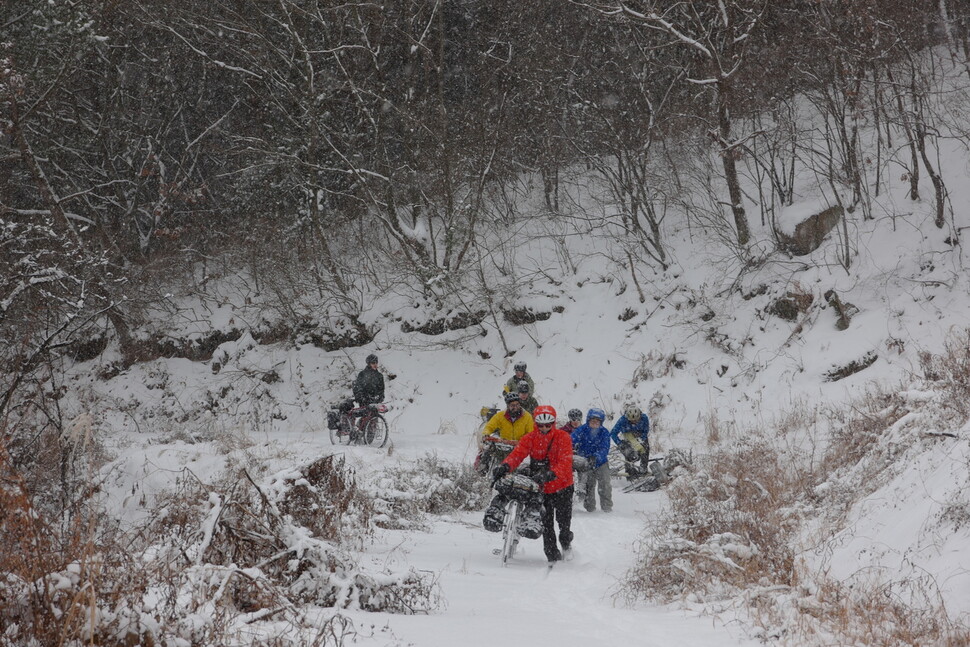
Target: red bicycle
(364, 425)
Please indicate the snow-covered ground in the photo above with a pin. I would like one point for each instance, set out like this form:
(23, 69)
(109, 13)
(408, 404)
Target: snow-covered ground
(524, 603)
(483, 603)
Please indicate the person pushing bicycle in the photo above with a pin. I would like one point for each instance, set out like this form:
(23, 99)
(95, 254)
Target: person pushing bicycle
(369, 386)
(551, 462)
(368, 389)
(505, 428)
(631, 434)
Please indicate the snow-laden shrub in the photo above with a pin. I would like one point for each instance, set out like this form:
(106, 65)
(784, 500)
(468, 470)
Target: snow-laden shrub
(223, 563)
(325, 498)
(291, 532)
(728, 526)
(430, 485)
(950, 372)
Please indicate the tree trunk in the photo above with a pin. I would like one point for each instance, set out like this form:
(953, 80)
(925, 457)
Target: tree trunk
(908, 128)
(729, 163)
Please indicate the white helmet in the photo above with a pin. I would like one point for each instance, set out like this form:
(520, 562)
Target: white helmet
(633, 413)
(545, 415)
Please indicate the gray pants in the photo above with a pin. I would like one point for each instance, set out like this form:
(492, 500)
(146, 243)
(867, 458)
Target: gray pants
(599, 479)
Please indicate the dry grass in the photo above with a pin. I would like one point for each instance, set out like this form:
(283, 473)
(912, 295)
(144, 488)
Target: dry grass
(217, 559)
(857, 429)
(714, 428)
(54, 577)
(950, 372)
(876, 617)
(831, 613)
(728, 527)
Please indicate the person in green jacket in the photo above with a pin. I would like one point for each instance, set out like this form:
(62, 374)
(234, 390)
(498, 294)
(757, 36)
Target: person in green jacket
(520, 374)
(528, 401)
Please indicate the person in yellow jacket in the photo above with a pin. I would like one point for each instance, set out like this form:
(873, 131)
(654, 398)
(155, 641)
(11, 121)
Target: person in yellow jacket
(501, 433)
(511, 424)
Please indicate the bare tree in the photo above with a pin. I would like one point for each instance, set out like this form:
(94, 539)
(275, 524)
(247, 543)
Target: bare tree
(717, 35)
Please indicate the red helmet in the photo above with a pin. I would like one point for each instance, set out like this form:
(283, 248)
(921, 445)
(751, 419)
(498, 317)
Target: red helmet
(544, 415)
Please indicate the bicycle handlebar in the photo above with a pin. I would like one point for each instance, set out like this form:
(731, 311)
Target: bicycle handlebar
(376, 407)
(498, 440)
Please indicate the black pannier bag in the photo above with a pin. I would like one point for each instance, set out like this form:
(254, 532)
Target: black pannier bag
(518, 486)
(333, 420)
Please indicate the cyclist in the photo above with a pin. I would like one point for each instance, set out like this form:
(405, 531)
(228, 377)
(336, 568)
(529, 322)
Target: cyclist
(592, 442)
(369, 385)
(529, 403)
(510, 425)
(579, 465)
(368, 389)
(551, 462)
(519, 374)
(631, 433)
(574, 421)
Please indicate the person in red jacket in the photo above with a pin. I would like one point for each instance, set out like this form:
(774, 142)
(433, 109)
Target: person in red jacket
(551, 454)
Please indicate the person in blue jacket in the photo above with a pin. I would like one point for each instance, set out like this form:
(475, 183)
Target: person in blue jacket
(631, 433)
(592, 441)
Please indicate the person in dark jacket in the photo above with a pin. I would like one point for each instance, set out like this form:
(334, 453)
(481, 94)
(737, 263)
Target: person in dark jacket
(575, 420)
(551, 453)
(369, 385)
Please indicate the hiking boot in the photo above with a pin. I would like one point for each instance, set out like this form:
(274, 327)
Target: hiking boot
(566, 539)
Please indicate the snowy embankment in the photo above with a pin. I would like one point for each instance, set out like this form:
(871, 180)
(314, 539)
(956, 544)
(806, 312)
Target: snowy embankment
(902, 513)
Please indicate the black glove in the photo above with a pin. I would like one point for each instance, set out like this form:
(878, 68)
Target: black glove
(547, 476)
(500, 471)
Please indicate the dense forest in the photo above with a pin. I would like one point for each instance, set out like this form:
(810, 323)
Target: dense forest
(336, 148)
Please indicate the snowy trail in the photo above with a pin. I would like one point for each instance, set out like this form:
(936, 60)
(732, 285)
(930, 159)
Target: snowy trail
(525, 603)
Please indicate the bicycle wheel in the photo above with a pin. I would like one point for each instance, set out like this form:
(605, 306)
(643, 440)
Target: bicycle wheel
(510, 533)
(341, 435)
(375, 431)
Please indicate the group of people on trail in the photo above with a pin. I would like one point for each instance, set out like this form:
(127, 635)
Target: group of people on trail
(521, 384)
(551, 451)
(526, 429)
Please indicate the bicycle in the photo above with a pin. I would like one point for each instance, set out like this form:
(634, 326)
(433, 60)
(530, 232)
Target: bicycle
(661, 470)
(520, 490)
(493, 450)
(363, 425)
